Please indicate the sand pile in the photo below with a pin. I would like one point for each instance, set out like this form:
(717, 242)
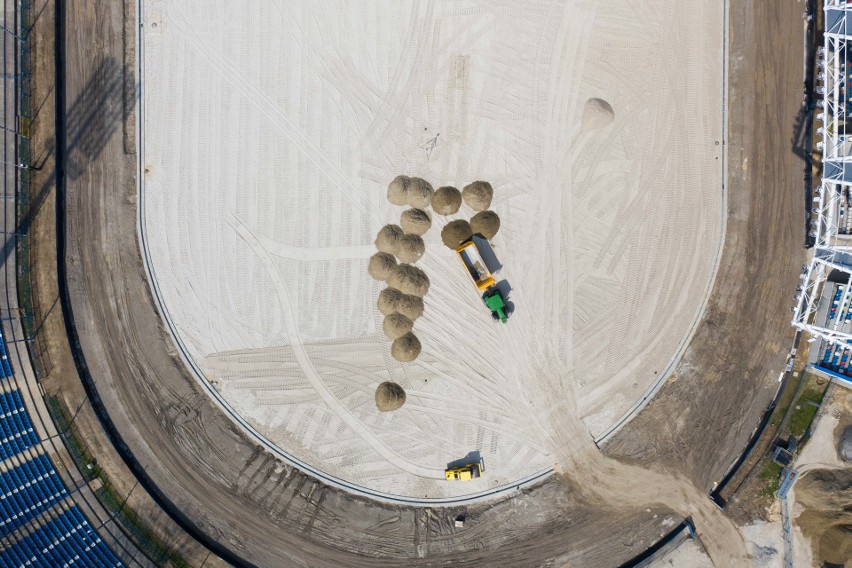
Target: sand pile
(398, 190)
(410, 306)
(388, 299)
(825, 498)
(388, 238)
(410, 280)
(597, 114)
(396, 325)
(381, 265)
(447, 200)
(410, 248)
(455, 233)
(406, 348)
(415, 222)
(844, 444)
(389, 397)
(401, 303)
(419, 193)
(478, 195)
(485, 223)
(392, 301)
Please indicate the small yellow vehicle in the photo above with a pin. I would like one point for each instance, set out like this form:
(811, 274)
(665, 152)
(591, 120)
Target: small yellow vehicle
(465, 472)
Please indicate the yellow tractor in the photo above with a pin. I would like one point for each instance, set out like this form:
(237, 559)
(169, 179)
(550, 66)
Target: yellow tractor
(465, 472)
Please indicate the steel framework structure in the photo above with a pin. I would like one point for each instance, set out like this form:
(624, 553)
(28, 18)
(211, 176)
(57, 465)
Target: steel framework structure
(830, 225)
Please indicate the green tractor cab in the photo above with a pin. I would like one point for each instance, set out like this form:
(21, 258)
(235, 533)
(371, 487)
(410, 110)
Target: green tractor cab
(494, 301)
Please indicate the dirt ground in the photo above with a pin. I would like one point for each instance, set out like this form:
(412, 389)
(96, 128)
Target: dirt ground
(268, 514)
(51, 352)
(825, 498)
(729, 372)
(822, 496)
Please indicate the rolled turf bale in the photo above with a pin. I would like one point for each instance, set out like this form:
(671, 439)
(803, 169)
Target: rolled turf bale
(398, 190)
(455, 233)
(410, 248)
(415, 222)
(388, 238)
(410, 280)
(478, 195)
(419, 193)
(396, 325)
(381, 265)
(409, 306)
(389, 299)
(447, 200)
(406, 348)
(389, 397)
(485, 223)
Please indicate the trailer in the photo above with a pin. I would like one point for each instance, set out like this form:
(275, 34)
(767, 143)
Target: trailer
(475, 266)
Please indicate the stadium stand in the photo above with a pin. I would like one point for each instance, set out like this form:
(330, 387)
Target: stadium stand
(16, 431)
(5, 366)
(39, 526)
(67, 539)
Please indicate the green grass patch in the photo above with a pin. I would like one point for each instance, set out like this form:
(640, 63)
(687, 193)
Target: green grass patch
(770, 474)
(806, 407)
(82, 458)
(785, 400)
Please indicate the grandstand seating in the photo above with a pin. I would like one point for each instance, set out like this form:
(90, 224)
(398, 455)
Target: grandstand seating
(27, 491)
(5, 367)
(16, 431)
(67, 539)
(32, 492)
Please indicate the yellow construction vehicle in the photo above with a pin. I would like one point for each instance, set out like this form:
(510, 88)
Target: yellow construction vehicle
(465, 472)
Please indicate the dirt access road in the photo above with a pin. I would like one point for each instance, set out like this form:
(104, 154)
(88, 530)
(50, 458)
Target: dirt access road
(701, 419)
(599, 513)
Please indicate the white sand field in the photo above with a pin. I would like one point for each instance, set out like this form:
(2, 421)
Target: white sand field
(271, 130)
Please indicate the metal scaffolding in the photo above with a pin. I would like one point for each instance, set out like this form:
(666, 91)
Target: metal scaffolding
(831, 225)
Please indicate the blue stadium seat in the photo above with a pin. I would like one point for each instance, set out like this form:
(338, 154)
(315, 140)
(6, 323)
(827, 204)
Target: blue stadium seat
(5, 366)
(27, 492)
(16, 430)
(65, 539)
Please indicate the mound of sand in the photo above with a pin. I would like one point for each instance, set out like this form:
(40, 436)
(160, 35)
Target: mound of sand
(388, 300)
(406, 348)
(409, 306)
(398, 190)
(455, 233)
(485, 223)
(844, 444)
(389, 397)
(478, 195)
(415, 222)
(826, 512)
(381, 265)
(596, 114)
(396, 325)
(447, 200)
(388, 238)
(392, 301)
(411, 248)
(419, 193)
(410, 280)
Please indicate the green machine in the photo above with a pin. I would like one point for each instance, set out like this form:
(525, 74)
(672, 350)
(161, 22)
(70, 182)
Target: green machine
(494, 301)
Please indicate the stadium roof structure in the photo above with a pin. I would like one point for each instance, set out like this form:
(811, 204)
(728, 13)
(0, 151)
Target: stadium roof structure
(831, 199)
